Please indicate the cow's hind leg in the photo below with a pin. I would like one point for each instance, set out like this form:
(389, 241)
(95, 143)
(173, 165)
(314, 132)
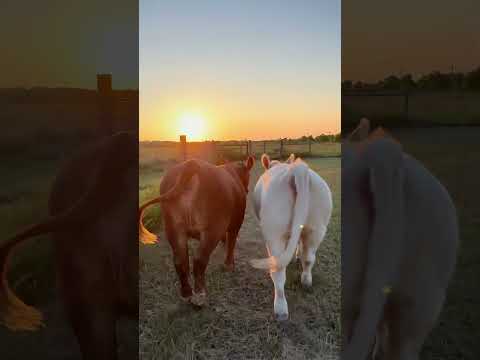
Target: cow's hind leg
(410, 323)
(208, 242)
(231, 239)
(310, 243)
(95, 329)
(179, 243)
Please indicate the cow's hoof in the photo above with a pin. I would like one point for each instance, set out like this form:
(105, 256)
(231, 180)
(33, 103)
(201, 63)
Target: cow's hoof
(199, 299)
(185, 299)
(307, 288)
(306, 281)
(281, 317)
(228, 267)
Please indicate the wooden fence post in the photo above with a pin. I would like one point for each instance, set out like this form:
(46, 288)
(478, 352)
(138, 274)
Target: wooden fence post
(250, 149)
(406, 106)
(213, 149)
(281, 148)
(264, 147)
(310, 146)
(183, 147)
(105, 103)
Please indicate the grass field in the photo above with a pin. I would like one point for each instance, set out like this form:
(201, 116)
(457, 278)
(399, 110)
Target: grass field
(238, 323)
(452, 154)
(24, 193)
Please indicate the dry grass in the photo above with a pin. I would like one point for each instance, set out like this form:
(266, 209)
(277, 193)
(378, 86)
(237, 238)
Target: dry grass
(238, 323)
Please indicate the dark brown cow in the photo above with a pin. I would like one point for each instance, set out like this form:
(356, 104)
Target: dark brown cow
(93, 206)
(205, 202)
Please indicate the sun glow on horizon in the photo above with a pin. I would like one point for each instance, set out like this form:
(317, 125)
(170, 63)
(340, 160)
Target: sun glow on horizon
(193, 125)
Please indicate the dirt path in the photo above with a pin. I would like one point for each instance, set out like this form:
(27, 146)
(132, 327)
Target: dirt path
(238, 323)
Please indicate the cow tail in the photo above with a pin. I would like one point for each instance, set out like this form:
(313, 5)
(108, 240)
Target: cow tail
(386, 175)
(301, 179)
(14, 313)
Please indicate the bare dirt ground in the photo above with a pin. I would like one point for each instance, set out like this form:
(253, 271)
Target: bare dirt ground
(238, 323)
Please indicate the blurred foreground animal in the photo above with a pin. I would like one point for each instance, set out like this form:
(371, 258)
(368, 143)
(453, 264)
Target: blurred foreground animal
(205, 202)
(93, 206)
(294, 206)
(399, 244)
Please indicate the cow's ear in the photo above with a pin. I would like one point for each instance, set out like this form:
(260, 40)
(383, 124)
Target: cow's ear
(266, 161)
(250, 162)
(291, 159)
(361, 132)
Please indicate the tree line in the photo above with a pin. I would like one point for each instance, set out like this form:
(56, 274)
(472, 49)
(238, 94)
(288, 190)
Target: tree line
(433, 81)
(319, 138)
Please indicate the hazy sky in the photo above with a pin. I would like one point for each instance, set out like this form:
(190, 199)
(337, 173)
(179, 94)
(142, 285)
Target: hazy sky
(380, 37)
(66, 43)
(252, 69)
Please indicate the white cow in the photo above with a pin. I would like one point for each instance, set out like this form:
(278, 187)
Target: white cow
(399, 245)
(292, 202)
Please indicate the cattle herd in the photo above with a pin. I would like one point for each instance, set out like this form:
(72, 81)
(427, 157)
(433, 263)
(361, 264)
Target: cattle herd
(399, 239)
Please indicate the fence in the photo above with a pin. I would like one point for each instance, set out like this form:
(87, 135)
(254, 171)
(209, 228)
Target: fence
(220, 150)
(410, 108)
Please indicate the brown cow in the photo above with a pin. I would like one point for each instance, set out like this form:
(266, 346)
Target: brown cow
(93, 206)
(205, 202)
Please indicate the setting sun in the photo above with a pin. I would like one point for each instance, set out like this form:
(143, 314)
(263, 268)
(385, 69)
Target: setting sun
(193, 125)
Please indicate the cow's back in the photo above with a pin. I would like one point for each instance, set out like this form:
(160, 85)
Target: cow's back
(429, 247)
(104, 245)
(273, 192)
(276, 190)
(431, 234)
(210, 197)
(320, 200)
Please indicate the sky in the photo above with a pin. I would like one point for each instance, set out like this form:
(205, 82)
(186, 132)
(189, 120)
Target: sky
(66, 43)
(248, 69)
(381, 38)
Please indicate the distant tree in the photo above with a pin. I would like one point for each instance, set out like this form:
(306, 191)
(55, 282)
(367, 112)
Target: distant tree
(325, 138)
(391, 82)
(435, 81)
(407, 82)
(358, 85)
(347, 85)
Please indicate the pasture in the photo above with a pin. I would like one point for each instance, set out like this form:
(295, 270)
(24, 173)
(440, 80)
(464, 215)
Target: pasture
(238, 323)
(452, 155)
